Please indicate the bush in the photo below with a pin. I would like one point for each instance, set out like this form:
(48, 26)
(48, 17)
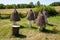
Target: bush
(51, 11)
(22, 15)
(59, 13)
(7, 16)
(55, 4)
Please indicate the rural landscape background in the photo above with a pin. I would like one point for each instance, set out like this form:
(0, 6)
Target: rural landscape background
(27, 33)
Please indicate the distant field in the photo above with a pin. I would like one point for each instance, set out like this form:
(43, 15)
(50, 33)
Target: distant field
(9, 11)
(24, 10)
(57, 8)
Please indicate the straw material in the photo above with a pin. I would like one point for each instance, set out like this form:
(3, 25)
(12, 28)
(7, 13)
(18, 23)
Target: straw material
(14, 16)
(40, 19)
(30, 15)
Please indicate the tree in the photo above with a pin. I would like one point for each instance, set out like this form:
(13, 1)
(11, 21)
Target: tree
(2, 6)
(38, 3)
(22, 6)
(10, 6)
(31, 5)
(14, 6)
(55, 4)
(18, 5)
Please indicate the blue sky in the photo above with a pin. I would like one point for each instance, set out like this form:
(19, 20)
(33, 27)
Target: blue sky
(46, 2)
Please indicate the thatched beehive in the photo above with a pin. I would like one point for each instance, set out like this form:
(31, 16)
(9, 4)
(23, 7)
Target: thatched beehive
(40, 19)
(30, 15)
(14, 16)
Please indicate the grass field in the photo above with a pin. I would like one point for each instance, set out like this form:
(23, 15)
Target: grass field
(24, 10)
(57, 8)
(9, 11)
(27, 33)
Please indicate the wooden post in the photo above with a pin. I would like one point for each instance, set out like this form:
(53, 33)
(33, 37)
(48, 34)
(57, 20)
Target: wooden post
(15, 30)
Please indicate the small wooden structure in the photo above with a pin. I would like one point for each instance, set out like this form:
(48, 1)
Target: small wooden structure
(15, 30)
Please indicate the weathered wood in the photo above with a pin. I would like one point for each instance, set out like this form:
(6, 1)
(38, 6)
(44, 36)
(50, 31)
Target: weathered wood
(15, 30)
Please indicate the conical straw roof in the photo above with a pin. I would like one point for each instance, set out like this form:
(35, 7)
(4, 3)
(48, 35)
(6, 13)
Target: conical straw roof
(14, 16)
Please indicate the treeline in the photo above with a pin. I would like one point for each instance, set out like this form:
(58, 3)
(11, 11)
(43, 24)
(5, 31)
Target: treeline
(30, 5)
(55, 4)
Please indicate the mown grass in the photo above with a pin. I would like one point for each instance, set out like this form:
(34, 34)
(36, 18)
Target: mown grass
(24, 10)
(30, 33)
(9, 11)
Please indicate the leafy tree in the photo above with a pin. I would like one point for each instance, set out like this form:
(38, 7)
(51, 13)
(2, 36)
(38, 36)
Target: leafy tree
(55, 4)
(2, 6)
(31, 5)
(38, 3)
(8, 6)
(18, 5)
(13, 6)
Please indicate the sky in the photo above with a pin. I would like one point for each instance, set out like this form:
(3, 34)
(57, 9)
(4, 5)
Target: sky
(44, 2)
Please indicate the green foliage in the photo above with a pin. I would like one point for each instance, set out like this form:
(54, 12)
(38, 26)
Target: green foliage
(31, 5)
(2, 6)
(51, 11)
(7, 16)
(38, 3)
(11, 6)
(55, 4)
(22, 5)
(14, 6)
(23, 15)
(37, 9)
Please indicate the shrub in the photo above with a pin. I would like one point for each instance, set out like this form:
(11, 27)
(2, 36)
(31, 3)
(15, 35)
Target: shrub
(51, 11)
(7, 16)
(37, 9)
(55, 4)
(22, 15)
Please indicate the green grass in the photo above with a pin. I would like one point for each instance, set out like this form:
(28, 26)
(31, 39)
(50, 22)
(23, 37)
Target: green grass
(30, 33)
